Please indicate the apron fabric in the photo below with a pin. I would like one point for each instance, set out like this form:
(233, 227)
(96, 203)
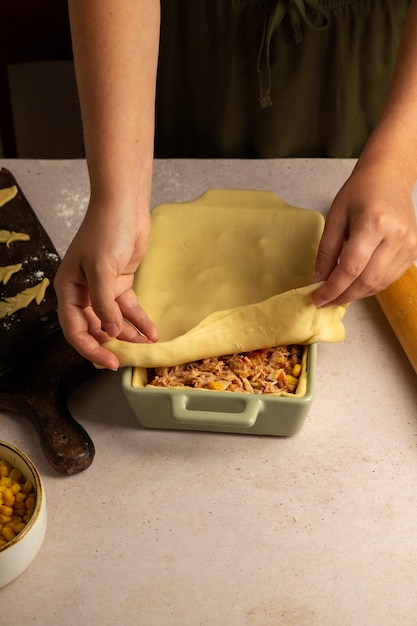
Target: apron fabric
(273, 78)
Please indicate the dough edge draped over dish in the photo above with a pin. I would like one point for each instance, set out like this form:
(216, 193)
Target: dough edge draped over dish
(283, 319)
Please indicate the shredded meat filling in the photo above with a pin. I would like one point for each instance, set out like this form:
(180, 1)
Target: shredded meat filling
(265, 371)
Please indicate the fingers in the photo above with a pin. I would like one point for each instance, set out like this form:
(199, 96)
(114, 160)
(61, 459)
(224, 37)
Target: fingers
(369, 240)
(82, 329)
(363, 277)
(137, 326)
(85, 330)
(133, 324)
(102, 291)
(94, 352)
(331, 245)
(121, 315)
(368, 262)
(351, 268)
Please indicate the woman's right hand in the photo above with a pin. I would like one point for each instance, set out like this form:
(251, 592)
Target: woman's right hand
(96, 301)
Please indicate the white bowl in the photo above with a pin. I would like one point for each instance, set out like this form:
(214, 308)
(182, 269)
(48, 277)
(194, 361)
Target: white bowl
(19, 553)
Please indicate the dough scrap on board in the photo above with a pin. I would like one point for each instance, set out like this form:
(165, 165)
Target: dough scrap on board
(7, 272)
(8, 237)
(7, 194)
(23, 299)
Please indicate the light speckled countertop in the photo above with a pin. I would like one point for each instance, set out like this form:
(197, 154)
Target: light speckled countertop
(200, 529)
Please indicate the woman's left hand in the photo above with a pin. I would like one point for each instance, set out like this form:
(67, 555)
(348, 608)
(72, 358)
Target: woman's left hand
(370, 236)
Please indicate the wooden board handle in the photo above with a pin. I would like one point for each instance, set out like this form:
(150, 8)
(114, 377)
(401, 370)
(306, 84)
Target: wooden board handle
(399, 304)
(38, 387)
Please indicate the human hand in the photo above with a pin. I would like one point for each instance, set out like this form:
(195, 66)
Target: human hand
(370, 236)
(96, 301)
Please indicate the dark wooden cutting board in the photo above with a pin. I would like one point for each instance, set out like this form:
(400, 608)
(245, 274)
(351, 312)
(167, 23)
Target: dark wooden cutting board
(38, 368)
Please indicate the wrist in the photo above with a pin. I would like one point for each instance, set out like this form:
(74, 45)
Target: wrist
(125, 190)
(391, 150)
(388, 160)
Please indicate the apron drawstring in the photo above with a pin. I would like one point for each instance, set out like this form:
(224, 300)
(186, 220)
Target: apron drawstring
(299, 18)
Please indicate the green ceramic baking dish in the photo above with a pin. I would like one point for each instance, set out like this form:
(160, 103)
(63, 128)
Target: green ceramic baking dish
(222, 411)
(226, 249)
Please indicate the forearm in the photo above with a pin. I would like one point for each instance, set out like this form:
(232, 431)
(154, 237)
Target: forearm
(115, 52)
(393, 142)
(370, 236)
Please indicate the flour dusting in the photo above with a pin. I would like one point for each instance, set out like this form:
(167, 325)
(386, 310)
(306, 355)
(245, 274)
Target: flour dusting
(72, 206)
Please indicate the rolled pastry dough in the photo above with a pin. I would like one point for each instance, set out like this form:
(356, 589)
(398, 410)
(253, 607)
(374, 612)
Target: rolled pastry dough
(284, 319)
(226, 249)
(229, 272)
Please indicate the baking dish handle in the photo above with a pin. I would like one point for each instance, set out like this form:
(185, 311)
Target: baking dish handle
(242, 419)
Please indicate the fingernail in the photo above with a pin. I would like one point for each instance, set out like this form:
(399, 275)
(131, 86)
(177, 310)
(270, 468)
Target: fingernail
(318, 302)
(316, 278)
(111, 329)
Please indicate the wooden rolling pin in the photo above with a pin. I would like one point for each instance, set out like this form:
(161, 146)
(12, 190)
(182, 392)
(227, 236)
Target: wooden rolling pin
(399, 304)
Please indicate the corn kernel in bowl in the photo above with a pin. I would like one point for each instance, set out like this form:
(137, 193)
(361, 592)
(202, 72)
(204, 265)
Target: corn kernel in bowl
(17, 501)
(23, 492)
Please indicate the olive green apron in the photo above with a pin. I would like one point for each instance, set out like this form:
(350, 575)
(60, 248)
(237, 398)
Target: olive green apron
(273, 78)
